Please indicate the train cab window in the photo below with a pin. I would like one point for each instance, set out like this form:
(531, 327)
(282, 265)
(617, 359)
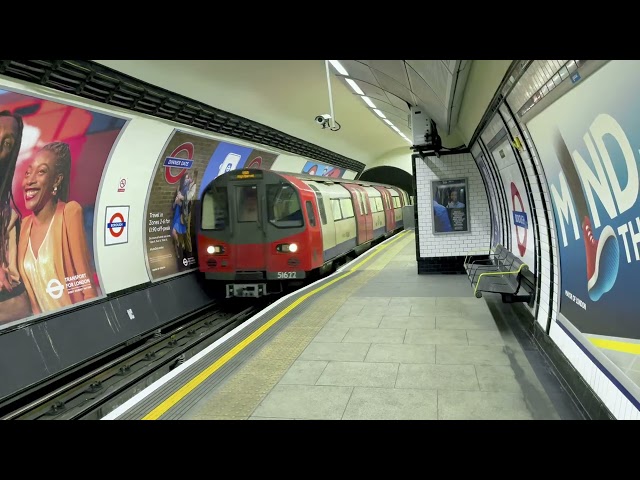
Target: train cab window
(311, 214)
(215, 209)
(247, 197)
(284, 206)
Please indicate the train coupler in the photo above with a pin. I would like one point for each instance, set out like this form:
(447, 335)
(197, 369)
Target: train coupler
(254, 290)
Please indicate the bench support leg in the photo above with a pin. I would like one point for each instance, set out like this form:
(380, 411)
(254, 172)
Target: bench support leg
(511, 298)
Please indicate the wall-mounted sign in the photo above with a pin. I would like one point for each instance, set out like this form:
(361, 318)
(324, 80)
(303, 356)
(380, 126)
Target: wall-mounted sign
(117, 225)
(450, 207)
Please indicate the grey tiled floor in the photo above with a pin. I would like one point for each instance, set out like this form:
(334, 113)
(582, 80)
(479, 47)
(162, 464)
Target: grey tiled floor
(410, 347)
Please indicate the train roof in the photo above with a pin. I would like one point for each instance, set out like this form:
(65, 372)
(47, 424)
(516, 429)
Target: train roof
(313, 178)
(321, 179)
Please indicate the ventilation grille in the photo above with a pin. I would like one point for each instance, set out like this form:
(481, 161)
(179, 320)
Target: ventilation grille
(101, 84)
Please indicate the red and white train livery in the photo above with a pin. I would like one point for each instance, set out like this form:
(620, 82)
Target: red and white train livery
(259, 230)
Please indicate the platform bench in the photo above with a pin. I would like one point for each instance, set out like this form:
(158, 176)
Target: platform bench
(500, 271)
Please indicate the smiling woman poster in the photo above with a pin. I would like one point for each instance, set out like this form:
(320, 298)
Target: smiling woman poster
(52, 157)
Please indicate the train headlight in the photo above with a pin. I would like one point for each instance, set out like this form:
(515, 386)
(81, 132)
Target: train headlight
(211, 249)
(287, 248)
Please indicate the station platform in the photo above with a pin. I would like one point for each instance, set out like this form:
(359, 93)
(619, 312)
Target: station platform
(374, 341)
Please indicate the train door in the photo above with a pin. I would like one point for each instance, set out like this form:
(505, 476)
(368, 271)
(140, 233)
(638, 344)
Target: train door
(368, 215)
(361, 223)
(389, 212)
(314, 230)
(401, 202)
(249, 240)
(327, 226)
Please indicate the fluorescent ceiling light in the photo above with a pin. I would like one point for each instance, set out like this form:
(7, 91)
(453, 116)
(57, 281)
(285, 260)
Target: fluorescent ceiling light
(395, 128)
(379, 113)
(336, 64)
(386, 120)
(368, 101)
(355, 86)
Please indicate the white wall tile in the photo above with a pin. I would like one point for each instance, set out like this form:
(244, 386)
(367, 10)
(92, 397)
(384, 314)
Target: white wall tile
(450, 167)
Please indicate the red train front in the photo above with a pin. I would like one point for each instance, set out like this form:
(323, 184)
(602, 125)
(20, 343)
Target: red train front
(257, 231)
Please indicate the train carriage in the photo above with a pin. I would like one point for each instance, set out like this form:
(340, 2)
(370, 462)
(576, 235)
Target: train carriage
(259, 231)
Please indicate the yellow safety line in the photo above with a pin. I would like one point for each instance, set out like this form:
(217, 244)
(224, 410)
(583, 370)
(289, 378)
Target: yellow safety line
(616, 345)
(202, 376)
(497, 273)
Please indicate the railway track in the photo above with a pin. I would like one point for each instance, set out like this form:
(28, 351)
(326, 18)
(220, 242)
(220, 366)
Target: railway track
(94, 394)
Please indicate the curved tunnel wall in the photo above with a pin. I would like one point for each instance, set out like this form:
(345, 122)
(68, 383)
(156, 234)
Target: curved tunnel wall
(390, 175)
(113, 274)
(561, 167)
(557, 155)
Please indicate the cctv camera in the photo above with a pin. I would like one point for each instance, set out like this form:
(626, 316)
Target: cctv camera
(323, 119)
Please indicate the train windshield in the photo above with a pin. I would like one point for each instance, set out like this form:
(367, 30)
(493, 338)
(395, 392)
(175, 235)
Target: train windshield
(215, 209)
(284, 207)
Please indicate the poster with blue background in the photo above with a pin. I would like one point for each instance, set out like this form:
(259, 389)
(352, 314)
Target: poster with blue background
(589, 145)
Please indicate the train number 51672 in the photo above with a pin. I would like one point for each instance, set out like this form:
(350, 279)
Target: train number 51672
(287, 274)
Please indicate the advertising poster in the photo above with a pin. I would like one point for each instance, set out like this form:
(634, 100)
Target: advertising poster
(322, 170)
(187, 165)
(52, 157)
(589, 145)
(450, 206)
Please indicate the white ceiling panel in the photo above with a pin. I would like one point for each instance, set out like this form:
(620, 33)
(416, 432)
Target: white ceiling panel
(398, 102)
(391, 85)
(423, 91)
(359, 71)
(427, 98)
(296, 92)
(393, 68)
(424, 83)
(451, 65)
(373, 92)
(389, 109)
(434, 73)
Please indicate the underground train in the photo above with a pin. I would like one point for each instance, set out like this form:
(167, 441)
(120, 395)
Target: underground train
(260, 231)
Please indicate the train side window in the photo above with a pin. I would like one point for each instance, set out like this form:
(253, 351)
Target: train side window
(283, 206)
(311, 213)
(379, 203)
(247, 203)
(215, 209)
(347, 207)
(335, 206)
(323, 213)
(372, 203)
